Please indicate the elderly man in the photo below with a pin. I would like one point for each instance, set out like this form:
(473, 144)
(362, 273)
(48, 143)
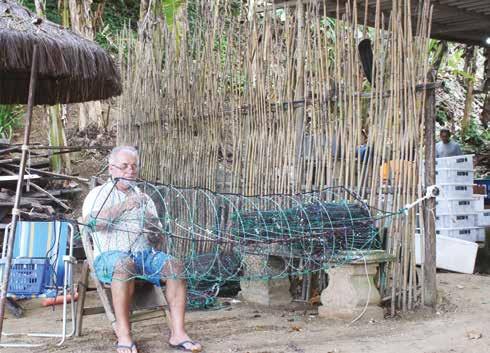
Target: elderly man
(446, 147)
(120, 212)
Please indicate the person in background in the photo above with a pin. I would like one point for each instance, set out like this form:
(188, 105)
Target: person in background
(446, 147)
(363, 150)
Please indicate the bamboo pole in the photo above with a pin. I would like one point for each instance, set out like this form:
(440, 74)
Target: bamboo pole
(18, 194)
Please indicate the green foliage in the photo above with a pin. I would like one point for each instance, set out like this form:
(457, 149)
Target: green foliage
(170, 9)
(441, 117)
(471, 78)
(455, 60)
(52, 13)
(10, 116)
(474, 137)
(117, 14)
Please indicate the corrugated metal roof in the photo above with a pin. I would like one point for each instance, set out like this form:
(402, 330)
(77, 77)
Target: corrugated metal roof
(465, 21)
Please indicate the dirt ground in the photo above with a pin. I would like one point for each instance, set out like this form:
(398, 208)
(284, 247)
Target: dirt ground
(460, 324)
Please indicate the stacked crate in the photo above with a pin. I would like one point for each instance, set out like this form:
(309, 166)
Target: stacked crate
(459, 213)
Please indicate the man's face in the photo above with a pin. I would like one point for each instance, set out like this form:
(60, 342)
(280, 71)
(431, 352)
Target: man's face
(445, 136)
(124, 166)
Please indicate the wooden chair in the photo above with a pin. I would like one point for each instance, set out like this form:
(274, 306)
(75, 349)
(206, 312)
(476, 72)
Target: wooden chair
(148, 300)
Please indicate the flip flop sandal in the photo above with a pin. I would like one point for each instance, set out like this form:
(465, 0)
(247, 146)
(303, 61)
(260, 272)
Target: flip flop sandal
(125, 346)
(181, 346)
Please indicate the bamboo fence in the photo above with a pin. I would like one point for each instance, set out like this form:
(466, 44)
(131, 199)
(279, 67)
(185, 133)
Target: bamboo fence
(274, 102)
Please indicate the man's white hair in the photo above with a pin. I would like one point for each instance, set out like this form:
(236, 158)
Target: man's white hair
(127, 149)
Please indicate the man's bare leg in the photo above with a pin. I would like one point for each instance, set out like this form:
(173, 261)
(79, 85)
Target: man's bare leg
(122, 289)
(175, 293)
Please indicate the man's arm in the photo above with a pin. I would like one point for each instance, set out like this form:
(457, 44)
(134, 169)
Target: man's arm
(106, 217)
(438, 149)
(457, 149)
(100, 214)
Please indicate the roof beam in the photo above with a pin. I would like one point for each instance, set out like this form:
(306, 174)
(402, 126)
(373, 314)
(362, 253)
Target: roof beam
(458, 2)
(473, 16)
(461, 28)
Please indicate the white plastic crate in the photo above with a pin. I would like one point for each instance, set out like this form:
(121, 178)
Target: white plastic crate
(469, 233)
(457, 220)
(479, 202)
(450, 206)
(484, 218)
(464, 162)
(451, 254)
(455, 176)
(455, 191)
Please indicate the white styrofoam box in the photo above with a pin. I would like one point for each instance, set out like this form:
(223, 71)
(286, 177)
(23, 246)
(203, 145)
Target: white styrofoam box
(463, 162)
(451, 254)
(456, 176)
(484, 218)
(450, 206)
(455, 191)
(468, 233)
(457, 220)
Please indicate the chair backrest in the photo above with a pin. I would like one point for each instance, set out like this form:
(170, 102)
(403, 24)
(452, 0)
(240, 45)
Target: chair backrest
(42, 239)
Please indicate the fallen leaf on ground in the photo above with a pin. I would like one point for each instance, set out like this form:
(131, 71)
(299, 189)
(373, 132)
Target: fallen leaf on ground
(315, 300)
(473, 335)
(296, 328)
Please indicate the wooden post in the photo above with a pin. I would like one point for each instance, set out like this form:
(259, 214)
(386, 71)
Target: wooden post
(299, 94)
(430, 286)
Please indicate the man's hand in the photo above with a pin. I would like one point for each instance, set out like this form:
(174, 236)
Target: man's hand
(134, 201)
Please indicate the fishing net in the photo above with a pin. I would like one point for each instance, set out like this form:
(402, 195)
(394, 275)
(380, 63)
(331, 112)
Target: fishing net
(219, 238)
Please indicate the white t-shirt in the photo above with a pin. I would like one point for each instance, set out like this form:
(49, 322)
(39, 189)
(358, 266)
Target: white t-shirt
(124, 233)
(449, 149)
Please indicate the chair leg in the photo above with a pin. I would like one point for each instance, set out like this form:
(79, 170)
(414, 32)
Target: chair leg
(82, 293)
(73, 309)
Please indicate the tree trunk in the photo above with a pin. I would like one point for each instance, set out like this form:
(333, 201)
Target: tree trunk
(144, 20)
(56, 133)
(98, 22)
(144, 5)
(40, 8)
(59, 163)
(485, 114)
(439, 55)
(470, 67)
(81, 23)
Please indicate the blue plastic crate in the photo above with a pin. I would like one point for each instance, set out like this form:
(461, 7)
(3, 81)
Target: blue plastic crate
(28, 276)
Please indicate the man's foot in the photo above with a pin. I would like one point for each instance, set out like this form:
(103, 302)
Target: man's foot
(186, 345)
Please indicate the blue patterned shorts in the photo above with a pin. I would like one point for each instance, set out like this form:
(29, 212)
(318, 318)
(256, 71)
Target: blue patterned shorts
(148, 264)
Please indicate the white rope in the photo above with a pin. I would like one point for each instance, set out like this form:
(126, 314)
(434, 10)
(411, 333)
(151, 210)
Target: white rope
(432, 191)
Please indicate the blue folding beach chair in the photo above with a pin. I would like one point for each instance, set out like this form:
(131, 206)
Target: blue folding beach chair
(42, 268)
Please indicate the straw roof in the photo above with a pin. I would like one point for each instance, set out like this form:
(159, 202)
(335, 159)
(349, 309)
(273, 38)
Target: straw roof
(70, 68)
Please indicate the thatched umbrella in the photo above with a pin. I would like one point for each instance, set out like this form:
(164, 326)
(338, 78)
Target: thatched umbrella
(43, 63)
(71, 69)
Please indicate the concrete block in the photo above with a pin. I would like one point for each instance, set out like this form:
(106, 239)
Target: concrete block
(350, 287)
(269, 292)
